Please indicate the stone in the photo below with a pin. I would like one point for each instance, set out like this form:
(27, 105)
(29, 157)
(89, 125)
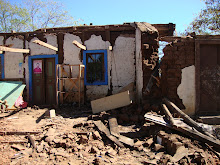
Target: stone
(83, 139)
(40, 148)
(148, 142)
(158, 147)
(96, 135)
(94, 150)
(112, 152)
(50, 132)
(138, 145)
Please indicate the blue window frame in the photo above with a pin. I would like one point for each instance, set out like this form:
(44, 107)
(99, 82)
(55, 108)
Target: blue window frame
(2, 73)
(96, 67)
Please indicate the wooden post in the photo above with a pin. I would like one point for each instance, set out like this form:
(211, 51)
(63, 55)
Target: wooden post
(168, 114)
(57, 81)
(79, 80)
(186, 118)
(61, 84)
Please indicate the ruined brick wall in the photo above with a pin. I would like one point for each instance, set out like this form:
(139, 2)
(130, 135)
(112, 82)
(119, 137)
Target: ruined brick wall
(177, 56)
(150, 58)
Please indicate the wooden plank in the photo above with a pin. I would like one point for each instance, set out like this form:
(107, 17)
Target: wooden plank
(105, 130)
(126, 140)
(111, 102)
(113, 124)
(3, 48)
(79, 45)
(45, 45)
(182, 127)
(17, 132)
(14, 142)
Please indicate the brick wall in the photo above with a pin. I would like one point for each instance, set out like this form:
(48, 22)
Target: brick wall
(177, 55)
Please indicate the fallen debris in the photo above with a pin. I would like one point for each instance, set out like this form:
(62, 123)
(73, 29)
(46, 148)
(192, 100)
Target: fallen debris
(186, 118)
(182, 127)
(105, 130)
(111, 102)
(113, 124)
(100, 138)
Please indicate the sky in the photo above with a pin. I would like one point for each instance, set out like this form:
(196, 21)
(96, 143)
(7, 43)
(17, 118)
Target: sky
(104, 12)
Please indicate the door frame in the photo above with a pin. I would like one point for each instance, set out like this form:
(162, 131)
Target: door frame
(199, 42)
(55, 56)
(3, 67)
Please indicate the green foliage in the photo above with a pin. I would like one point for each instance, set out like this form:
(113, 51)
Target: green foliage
(208, 20)
(12, 17)
(33, 15)
(48, 14)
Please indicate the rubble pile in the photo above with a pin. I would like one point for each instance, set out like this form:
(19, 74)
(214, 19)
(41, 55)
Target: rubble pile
(110, 138)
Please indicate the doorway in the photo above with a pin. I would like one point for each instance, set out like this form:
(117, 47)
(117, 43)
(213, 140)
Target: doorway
(43, 79)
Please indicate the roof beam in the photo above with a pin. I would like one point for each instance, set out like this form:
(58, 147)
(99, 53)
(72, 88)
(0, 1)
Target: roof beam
(3, 48)
(45, 45)
(81, 46)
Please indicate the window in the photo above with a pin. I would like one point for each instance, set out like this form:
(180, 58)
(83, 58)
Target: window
(96, 70)
(2, 75)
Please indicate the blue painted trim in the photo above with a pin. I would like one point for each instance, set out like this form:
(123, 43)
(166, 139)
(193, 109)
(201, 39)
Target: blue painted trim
(105, 82)
(30, 58)
(3, 66)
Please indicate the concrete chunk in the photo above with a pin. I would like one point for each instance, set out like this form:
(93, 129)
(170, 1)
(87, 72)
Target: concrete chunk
(50, 113)
(111, 102)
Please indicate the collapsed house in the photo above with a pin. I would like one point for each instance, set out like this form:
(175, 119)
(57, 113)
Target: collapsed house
(110, 65)
(115, 58)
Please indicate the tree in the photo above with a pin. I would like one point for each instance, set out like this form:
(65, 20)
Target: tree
(12, 17)
(33, 15)
(45, 14)
(208, 20)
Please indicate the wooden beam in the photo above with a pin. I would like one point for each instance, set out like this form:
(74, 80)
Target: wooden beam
(168, 114)
(45, 44)
(111, 102)
(3, 48)
(79, 45)
(102, 128)
(184, 128)
(186, 118)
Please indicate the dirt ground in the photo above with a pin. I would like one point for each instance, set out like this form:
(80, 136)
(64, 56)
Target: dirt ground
(72, 138)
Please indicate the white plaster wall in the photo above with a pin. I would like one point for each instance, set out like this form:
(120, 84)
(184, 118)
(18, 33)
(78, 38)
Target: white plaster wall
(93, 91)
(123, 59)
(12, 60)
(139, 70)
(71, 52)
(186, 90)
(36, 49)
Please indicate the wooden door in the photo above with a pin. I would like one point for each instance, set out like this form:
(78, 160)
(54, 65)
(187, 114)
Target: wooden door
(43, 78)
(209, 75)
(50, 81)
